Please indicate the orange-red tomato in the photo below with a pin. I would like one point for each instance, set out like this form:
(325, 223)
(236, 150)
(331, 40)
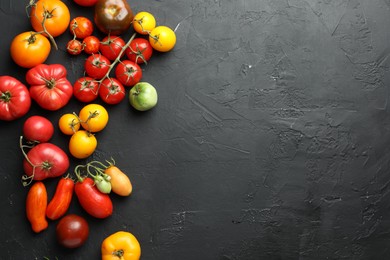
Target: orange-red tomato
(52, 15)
(29, 49)
(36, 204)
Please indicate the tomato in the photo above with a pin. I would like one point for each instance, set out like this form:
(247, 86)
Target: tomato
(15, 100)
(120, 182)
(96, 66)
(60, 202)
(72, 231)
(74, 47)
(113, 17)
(94, 117)
(81, 27)
(49, 86)
(82, 144)
(29, 49)
(111, 46)
(45, 160)
(38, 129)
(111, 91)
(91, 44)
(143, 96)
(144, 23)
(36, 203)
(128, 73)
(162, 38)
(121, 245)
(95, 203)
(139, 51)
(69, 124)
(85, 89)
(52, 15)
(86, 2)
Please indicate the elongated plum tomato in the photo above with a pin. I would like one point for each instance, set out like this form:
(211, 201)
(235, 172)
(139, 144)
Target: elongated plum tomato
(60, 202)
(38, 129)
(120, 182)
(53, 14)
(36, 204)
(29, 49)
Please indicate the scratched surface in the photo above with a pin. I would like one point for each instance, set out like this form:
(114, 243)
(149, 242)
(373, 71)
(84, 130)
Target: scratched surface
(270, 139)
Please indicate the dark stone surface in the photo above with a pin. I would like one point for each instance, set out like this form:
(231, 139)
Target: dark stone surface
(270, 139)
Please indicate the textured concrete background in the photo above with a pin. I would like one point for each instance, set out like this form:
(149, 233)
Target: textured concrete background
(270, 139)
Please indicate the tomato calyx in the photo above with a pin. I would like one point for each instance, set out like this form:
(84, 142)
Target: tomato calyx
(100, 179)
(6, 96)
(118, 253)
(139, 54)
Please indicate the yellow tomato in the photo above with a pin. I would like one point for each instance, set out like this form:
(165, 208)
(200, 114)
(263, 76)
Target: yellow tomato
(82, 144)
(94, 117)
(162, 38)
(121, 245)
(69, 124)
(144, 23)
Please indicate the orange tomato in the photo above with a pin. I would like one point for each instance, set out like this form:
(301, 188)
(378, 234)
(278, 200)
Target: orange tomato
(82, 144)
(36, 204)
(69, 124)
(29, 49)
(53, 15)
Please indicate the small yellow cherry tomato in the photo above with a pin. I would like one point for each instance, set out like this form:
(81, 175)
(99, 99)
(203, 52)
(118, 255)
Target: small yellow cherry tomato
(82, 144)
(121, 245)
(69, 124)
(162, 38)
(94, 117)
(144, 23)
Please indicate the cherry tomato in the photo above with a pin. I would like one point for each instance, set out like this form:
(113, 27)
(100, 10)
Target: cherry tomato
(69, 124)
(36, 204)
(85, 89)
(74, 47)
(91, 44)
(94, 202)
(15, 100)
(72, 231)
(111, 46)
(96, 66)
(139, 51)
(86, 2)
(128, 73)
(38, 129)
(82, 144)
(111, 91)
(81, 27)
(94, 117)
(162, 38)
(60, 202)
(53, 14)
(144, 23)
(29, 49)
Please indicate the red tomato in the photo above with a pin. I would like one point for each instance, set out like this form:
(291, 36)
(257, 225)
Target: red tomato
(95, 203)
(86, 2)
(128, 73)
(60, 202)
(36, 203)
(45, 160)
(38, 129)
(85, 89)
(74, 47)
(49, 86)
(111, 46)
(96, 66)
(140, 51)
(15, 100)
(72, 231)
(91, 44)
(111, 91)
(81, 27)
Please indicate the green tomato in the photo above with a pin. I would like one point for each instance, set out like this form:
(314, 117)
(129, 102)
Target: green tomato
(103, 185)
(143, 96)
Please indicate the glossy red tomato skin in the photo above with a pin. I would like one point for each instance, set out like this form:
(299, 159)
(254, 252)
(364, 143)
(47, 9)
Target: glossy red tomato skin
(38, 129)
(111, 46)
(49, 161)
(85, 89)
(86, 3)
(49, 86)
(140, 51)
(128, 73)
(95, 203)
(111, 91)
(96, 66)
(59, 204)
(72, 231)
(91, 44)
(74, 47)
(81, 27)
(15, 100)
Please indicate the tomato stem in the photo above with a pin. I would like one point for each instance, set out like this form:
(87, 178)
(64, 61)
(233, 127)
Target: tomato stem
(26, 180)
